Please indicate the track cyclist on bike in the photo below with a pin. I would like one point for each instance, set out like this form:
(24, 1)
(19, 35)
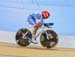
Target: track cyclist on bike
(36, 20)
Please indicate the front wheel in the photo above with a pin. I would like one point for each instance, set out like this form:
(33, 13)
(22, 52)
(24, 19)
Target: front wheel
(49, 38)
(22, 36)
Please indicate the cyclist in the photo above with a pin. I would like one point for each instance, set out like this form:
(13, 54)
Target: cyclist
(36, 20)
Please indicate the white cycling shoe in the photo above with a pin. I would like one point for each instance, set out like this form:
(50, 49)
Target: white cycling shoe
(33, 41)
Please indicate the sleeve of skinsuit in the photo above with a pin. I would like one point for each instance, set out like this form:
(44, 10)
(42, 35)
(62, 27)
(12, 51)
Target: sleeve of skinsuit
(42, 22)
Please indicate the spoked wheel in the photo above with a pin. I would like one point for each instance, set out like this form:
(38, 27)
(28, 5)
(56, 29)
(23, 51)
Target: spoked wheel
(49, 39)
(22, 37)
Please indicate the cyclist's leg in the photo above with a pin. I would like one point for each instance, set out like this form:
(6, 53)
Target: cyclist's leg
(36, 27)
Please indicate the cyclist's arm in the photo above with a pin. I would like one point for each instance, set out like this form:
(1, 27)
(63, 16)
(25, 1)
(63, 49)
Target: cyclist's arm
(42, 22)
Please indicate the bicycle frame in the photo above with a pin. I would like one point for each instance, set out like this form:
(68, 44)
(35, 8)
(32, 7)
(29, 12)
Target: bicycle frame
(43, 29)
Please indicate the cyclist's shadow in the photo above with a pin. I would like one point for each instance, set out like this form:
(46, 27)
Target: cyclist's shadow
(41, 48)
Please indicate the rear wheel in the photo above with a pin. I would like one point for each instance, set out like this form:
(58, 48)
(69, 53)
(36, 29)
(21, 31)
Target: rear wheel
(22, 37)
(51, 41)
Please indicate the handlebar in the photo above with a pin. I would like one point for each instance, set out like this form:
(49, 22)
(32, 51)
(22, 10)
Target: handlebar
(48, 24)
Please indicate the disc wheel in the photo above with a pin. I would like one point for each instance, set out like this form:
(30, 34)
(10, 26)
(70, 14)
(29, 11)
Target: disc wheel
(22, 36)
(49, 42)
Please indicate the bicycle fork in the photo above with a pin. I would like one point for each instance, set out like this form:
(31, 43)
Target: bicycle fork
(48, 35)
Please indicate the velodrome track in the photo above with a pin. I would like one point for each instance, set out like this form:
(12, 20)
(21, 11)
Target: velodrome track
(13, 50)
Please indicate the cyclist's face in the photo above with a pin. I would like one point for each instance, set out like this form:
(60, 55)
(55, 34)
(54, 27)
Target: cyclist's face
(45, 17)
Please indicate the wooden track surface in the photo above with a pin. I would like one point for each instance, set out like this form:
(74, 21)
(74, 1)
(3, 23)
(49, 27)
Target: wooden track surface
(13, 50)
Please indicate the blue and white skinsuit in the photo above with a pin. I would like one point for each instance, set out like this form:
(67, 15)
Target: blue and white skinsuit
(35, 18)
